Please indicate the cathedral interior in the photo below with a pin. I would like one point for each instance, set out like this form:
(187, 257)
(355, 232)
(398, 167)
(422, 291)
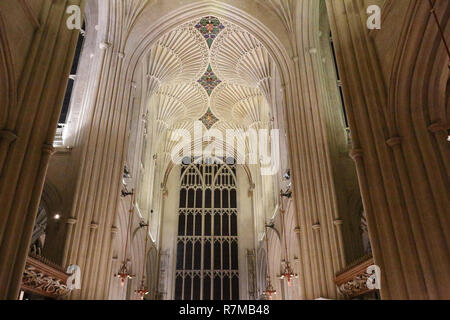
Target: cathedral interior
(224, 150)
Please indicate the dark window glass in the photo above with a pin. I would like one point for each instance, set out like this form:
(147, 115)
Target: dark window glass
(179, 288)
(333, 51)
(217, 253)
(207, 224)
(208, 198)
(217, 288)
(233, 218)
(66, 102)
(225, 255)
(187, 288)
(183, 198)
(207, 288)
(76, 59)
(181, 224)
(225, 231)
(225, 198)
(233, 199)
(190, 225)
(188, 262)
(234, 256)
(180, 255)
(196, 291)
(217, 224)
(198, 224)
(191, 194)
(199, 199)
(217, 198)
(198, 255)
(70, 83)
(235, 287)
(226, 288)
(207, 256)
(341, 93)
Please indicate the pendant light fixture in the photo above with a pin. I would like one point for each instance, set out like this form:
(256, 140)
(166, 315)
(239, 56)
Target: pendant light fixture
(142, 291)
(269, 291)
(288, 273)
(123, 273)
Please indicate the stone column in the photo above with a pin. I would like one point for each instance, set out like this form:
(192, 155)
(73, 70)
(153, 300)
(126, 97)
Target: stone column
(102, 149)
(394, 95)
(320, 250)
(95, 205)
(30, 108)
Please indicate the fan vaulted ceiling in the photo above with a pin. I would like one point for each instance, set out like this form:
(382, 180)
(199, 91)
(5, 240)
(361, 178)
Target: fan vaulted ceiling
(208, 70)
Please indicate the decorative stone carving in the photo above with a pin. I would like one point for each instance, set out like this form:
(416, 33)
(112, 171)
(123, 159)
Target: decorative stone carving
(352, 282)
(209, 80)
(71, 221)
(209, 119)
(8, 136)
(356, 286)
(43, 278)
(210, 27)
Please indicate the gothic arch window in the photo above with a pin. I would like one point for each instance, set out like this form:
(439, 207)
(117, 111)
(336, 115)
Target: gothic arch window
(207, 243)
(339, 82)
(70, 86)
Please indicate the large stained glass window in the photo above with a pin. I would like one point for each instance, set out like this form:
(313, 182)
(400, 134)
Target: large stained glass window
(207, 242)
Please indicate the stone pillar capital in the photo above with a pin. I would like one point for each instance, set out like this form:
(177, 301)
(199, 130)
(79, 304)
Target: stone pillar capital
(436, 127)
(71, 221)
(104, 45)
(356, 154)
(394, 142)
(48, 149)
(93, 226)
(8, 136)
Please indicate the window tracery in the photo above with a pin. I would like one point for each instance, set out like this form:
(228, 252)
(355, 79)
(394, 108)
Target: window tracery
(207, 244)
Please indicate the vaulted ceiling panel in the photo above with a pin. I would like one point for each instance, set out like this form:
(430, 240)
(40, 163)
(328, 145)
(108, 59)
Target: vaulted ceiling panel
(208, 70)
(181, 55)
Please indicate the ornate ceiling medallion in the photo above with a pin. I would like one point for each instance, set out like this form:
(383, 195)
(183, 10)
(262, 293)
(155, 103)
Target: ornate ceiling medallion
(209, 119)
(209, 80)
(210, 27)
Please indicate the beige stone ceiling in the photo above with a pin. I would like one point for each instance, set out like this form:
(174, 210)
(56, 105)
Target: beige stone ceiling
(174, 65)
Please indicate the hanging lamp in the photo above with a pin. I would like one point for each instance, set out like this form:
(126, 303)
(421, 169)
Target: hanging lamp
(269, 291)
(288, 272)
(123, 273)
(142, 291)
